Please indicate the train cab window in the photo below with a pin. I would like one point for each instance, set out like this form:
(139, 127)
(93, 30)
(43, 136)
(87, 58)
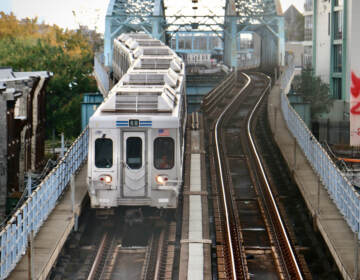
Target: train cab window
(164, 153)
(103, 153)
(134, 152)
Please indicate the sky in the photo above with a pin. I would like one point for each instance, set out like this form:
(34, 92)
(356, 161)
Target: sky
(71, 13)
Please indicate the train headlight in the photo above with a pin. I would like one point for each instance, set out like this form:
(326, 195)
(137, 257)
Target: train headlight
(161, 179)
(107, 179)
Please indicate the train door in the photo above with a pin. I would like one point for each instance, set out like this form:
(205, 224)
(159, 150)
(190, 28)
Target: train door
(134, 165)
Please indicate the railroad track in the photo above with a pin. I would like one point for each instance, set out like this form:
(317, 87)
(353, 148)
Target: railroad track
(251, 238)
(137, 252)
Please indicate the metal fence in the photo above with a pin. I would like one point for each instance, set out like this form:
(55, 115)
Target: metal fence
(338, 186)
(31, 215)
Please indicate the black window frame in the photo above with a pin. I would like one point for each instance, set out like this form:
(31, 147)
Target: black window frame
(158, 153)
(102, 153)
(134, 165)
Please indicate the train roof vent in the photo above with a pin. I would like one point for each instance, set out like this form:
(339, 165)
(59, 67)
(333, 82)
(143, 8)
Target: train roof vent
(157, 51)
(149, 43)
(176, 64)
(144, 79)
(153, 63)
(136, 102)
(171, 78)
(142, 102)
(126, 36)
(151, 51)
(133, 44)
(145, 100)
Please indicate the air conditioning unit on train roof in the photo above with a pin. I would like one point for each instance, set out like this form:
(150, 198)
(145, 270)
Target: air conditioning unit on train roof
(141, 100)
(153, 63)
(169, 78)
(134, 43)
(152, 51)
(176, 64)
(135, 79)
(158, 63)
(126, 36)
(172, 78)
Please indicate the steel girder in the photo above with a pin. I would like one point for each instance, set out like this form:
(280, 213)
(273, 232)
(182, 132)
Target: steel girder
(226, 18)
(183, 17)
(261, 16)
(132, 15)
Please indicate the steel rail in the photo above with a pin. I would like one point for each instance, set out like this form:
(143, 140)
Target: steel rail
(94, 267)
(158, 255)
(278, 216)
(233, 267)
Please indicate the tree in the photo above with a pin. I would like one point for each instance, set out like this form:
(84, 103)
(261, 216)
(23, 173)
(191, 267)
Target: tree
(28, 46)
(314, 91)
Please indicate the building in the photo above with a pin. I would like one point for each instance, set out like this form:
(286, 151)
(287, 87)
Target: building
(332, 44)
(308, 31)
(22, 122)
(294, 24)
(294, 36)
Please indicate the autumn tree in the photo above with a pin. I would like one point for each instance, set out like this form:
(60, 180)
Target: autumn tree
(26, 45)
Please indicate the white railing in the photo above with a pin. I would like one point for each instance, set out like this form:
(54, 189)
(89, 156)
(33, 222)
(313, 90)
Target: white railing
(341, 191)
(32, 214)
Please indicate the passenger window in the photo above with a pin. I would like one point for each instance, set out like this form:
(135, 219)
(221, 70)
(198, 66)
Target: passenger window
(134, 152)
(164, 153)
(103, 153)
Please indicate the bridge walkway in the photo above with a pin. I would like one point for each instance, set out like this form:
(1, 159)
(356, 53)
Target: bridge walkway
(53, 233)
(337, 234)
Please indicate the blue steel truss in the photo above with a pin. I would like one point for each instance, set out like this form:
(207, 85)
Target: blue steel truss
(132, 15)
(261, 16)
(225, 18)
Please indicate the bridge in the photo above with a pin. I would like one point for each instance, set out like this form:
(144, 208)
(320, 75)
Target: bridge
(220, 28)
(198, 29)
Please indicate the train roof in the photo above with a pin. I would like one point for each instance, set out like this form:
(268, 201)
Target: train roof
(158, 63)
(142, 100)
(153, 87)
(148, 78)
(141, 44)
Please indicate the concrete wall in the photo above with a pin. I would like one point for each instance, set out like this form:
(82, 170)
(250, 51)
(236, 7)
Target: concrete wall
(323, 41)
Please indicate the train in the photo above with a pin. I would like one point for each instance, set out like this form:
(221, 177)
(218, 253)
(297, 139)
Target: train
(137, 135)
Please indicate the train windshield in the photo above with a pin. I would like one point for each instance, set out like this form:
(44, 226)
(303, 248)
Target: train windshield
(103, 153)
(164, 153)
(134, 152)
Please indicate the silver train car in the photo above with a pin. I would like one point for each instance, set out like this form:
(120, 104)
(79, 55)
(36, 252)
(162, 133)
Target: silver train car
(136, 136)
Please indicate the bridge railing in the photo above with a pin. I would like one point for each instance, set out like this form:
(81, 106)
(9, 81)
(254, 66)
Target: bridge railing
(337, 185)
(32, 214)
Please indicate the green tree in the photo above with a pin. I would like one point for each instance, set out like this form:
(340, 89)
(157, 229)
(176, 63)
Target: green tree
(67, 54)
(314, 91)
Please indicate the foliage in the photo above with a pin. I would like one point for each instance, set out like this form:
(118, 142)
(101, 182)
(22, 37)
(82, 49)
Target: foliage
(314, 91)
(26, 45)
